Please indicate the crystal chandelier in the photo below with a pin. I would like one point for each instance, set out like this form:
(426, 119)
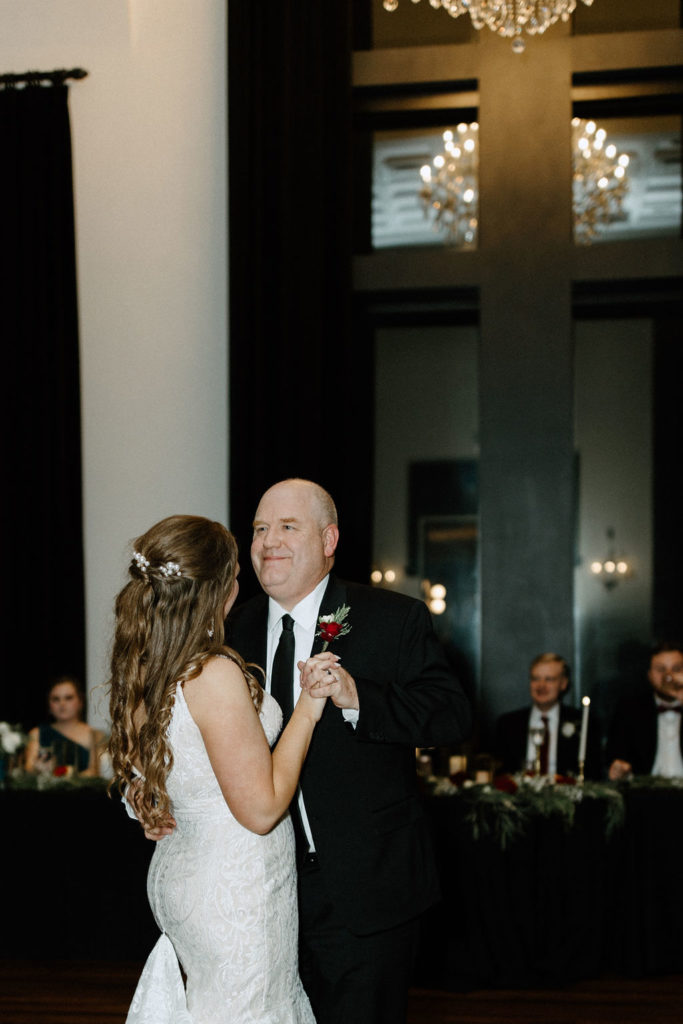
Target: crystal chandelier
(450, 190)
(507, 18)
(600, 180)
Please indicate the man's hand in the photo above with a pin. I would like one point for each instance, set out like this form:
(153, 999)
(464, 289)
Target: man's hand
(157, 832)
(323, 676)
(619, 770)
(154, 832)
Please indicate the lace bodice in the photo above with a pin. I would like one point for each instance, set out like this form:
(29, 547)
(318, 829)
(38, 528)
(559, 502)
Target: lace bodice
(191, 783)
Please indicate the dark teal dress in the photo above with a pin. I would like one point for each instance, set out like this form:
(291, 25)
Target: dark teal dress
(66, 752)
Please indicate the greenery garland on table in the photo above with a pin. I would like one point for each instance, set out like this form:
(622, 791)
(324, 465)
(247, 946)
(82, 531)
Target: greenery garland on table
(658, 782)
(502, 810)
(20, 779)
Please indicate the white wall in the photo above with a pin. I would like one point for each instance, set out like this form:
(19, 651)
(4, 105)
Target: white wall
(149, 141)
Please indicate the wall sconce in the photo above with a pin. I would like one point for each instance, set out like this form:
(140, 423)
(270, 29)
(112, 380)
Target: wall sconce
(612, 568)
(376, 576)
(435, 594)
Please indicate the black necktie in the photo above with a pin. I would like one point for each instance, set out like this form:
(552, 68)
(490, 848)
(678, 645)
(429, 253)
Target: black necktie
(661, 708)
(282, 688)
(282, 676)
(545, 746)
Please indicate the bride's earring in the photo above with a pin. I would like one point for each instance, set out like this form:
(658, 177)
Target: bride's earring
(210, 632)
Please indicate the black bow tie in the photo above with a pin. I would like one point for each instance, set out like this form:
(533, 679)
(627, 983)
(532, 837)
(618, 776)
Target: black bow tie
(661, 708)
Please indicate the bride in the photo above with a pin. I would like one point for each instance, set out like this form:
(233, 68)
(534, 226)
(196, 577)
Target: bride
(191, 736)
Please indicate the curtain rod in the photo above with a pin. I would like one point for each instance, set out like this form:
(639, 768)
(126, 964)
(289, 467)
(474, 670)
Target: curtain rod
(37, 77)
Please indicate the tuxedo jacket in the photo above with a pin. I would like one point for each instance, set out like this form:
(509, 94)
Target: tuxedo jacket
(633, 733)
(359, 784)
(512, 737)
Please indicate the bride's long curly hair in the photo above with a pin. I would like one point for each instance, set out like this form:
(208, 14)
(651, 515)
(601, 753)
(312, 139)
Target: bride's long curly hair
(169, 622)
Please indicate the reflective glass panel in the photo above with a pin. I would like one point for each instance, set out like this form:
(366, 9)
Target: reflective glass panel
(426, 468)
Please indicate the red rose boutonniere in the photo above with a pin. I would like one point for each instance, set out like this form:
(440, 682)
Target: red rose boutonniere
(332, 626)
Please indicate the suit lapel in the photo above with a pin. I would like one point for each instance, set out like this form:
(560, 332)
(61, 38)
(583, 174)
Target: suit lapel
(250, 633)
(333, 598)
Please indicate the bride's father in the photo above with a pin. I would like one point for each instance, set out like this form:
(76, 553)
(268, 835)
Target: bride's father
(365, 864)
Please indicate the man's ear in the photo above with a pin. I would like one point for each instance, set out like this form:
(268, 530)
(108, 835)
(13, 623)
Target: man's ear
(330, 540)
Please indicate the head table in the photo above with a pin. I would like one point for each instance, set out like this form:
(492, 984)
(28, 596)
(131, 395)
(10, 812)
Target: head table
(533, 895)
(562, 898)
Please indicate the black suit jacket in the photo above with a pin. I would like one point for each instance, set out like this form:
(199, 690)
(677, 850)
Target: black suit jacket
(359, 785)
(512, 735)
(633, 733)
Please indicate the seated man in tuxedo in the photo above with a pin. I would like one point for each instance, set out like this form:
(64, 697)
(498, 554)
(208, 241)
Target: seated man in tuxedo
(645, 736)
(548, 681)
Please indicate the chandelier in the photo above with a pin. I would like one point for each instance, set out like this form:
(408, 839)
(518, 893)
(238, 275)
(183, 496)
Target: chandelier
(507, 18)
(600, 180)
(450, 191)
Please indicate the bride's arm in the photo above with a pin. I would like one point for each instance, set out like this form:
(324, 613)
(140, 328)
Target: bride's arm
(258, 786)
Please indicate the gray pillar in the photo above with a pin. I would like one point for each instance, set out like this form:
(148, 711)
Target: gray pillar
(525, 369)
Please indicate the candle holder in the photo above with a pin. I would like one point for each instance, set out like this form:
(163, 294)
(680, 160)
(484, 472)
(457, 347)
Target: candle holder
(580, 778)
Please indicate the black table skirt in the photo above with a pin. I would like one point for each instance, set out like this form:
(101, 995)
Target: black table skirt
(75, 868)
(556, 906)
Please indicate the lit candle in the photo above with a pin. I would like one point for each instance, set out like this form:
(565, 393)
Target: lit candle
(584, 729)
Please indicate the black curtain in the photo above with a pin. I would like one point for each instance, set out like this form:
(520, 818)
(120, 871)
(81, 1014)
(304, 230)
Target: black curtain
(301, 390)
(42, 557)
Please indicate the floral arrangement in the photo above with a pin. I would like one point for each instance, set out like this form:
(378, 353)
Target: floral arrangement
(330, 627)
(12, 738)
(501, 810)
(57, 782)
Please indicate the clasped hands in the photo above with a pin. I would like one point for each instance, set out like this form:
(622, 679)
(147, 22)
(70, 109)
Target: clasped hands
(323, 676)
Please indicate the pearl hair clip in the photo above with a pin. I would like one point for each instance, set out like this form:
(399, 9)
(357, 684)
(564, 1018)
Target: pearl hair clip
(141, 562)
(170, 569)
(167, 569)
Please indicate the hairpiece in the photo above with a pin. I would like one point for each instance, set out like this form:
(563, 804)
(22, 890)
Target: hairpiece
(141, 562)
(170, 569)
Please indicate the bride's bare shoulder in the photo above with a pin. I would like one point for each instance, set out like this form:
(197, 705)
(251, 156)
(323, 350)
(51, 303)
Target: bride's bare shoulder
(218, 675)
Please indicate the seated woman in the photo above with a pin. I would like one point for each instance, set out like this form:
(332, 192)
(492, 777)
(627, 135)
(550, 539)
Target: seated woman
(68, 742)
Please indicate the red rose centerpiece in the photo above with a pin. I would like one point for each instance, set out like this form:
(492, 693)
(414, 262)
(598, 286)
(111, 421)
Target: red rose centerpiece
(332, 626)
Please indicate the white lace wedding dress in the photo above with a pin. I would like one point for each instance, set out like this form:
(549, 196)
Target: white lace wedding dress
(225, 901)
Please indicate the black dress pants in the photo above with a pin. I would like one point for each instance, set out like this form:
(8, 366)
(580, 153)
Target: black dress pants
(351, 979)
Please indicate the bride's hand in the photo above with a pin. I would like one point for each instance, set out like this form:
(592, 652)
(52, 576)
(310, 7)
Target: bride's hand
(312, 706)
(323, 676)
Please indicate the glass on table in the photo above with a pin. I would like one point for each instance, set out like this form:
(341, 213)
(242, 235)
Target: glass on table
(537, 735)
(45, 760)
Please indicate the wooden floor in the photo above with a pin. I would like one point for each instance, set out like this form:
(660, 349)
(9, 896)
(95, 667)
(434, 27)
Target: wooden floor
(74, 992)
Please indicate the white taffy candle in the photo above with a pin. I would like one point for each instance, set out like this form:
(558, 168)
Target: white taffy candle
(584, 729)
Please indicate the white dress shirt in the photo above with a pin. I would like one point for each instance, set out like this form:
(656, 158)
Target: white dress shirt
(668, 760)
(305, 615)
(536, 722)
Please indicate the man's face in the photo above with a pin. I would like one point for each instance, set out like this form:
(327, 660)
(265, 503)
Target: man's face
(546, 682)
(291, 550)
(663, 667)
